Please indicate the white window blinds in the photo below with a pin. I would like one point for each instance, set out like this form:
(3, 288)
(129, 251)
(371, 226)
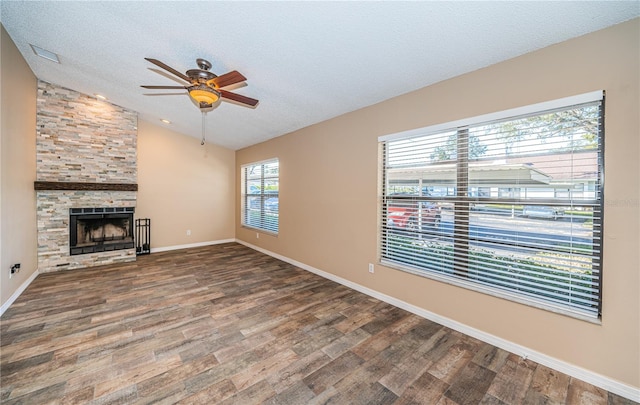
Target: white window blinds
(509, 204)
(260, 199)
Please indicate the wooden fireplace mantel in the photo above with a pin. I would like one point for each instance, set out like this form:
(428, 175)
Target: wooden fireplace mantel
(66, 185)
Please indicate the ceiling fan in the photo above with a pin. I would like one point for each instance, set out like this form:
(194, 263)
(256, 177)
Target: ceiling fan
(205, 87)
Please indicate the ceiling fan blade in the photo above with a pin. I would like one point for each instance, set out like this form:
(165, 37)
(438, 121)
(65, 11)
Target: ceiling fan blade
(169, 69)
(164, 87)
(252, 102)
(228, 79)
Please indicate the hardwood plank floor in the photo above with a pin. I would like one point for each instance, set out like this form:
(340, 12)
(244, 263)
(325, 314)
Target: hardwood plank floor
(226, 324)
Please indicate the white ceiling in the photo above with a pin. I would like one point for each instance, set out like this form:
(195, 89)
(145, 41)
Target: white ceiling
(305, 61)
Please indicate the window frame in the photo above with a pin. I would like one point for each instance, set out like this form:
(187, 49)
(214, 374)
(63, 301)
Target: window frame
(261, 196)
(461, 248)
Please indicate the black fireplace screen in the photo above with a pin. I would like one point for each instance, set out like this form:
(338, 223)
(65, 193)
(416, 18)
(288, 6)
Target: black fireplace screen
(94, 230)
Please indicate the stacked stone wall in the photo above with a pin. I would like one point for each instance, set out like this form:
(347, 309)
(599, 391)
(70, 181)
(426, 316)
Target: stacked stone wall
(80, 139)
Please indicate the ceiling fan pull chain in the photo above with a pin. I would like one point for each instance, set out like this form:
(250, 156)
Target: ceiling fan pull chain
(203, 113)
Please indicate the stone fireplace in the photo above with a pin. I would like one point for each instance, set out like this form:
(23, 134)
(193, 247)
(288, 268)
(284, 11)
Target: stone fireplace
(86, 180)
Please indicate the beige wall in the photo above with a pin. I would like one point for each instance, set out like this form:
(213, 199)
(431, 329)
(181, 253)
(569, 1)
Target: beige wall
(328, 196)
(184, 186)
(18, 238)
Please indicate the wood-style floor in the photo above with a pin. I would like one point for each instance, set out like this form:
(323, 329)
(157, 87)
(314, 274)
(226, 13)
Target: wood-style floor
(228, 325)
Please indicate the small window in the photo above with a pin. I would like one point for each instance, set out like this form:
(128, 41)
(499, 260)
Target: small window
(509, 204)
(260, 201)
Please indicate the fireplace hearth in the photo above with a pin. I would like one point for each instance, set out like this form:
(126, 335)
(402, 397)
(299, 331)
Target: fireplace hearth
(93, 230)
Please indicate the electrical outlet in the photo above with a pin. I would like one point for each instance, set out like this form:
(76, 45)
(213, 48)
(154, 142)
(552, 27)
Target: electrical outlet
(371, 268)
(188, 232)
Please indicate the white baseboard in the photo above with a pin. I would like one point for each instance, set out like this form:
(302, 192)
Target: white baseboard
(572, 370)
(191, 245)
(19, 291)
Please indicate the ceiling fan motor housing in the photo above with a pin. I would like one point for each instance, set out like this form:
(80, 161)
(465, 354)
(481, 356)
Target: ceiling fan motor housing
(203, 74)
(200, 76)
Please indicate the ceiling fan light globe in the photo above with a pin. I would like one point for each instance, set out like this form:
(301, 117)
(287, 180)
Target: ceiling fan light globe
(204, 96)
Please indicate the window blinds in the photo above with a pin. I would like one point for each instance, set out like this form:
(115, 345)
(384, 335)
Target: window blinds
(510, 205)
(260, 196)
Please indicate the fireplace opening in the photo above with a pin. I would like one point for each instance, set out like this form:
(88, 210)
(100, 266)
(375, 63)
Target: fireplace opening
(93, 230)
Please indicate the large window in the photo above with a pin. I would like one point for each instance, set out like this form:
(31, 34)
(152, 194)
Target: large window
(260, 185)
(509, 203)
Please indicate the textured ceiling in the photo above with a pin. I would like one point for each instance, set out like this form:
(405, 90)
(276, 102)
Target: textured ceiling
(305, 61)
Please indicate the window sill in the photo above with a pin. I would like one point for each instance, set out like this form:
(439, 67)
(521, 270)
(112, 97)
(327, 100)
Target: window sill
(260, 230)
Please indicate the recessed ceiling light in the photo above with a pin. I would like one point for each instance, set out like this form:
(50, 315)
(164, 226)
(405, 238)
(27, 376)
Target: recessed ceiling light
(43, 53)
(100, 96)
(165, 121)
